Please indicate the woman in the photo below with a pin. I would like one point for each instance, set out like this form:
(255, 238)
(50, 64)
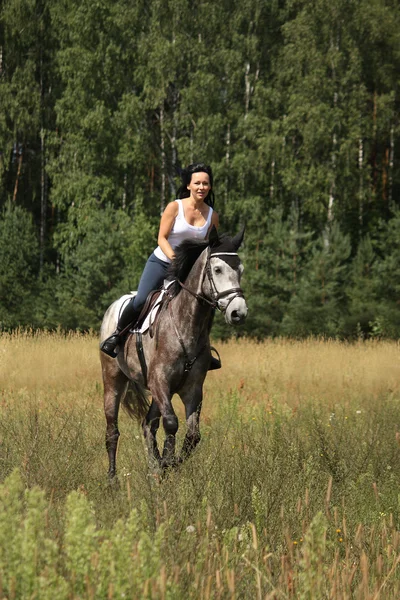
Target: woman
(191, 216)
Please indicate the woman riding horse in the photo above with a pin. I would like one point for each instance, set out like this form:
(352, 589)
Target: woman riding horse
(205, 276)
(191, 216)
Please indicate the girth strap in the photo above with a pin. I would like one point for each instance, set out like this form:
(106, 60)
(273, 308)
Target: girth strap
(141, 356)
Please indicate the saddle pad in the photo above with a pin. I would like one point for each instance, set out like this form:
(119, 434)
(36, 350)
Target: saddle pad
(151, 315)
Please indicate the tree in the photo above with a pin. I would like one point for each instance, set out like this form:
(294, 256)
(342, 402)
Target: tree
(318, 306)
(19, 258)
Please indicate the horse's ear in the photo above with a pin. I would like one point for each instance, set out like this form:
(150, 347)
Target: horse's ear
(213, 237)
(238, 239)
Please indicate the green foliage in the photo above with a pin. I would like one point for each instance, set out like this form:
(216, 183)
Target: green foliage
(319, 302)
(275, 260)
(19, 257)
(313, 574)
(253, 509)
(295, 106)
(28, 556)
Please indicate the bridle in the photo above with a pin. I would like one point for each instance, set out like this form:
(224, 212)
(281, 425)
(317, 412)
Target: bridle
(216, 296)
(214, 302)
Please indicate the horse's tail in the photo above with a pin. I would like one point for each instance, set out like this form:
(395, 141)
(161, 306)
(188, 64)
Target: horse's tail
(136, 401)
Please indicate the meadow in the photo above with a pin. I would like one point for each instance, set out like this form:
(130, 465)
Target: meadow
(293, 492)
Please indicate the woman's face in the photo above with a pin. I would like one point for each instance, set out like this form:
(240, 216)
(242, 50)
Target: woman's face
(199, 186)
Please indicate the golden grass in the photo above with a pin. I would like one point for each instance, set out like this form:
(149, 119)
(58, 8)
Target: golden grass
(275, 488)
(43, 361)
(264, 373)
(292, 371)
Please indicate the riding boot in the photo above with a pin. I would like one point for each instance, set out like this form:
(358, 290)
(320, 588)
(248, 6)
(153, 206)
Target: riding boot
(128, 317)
(109, 345)
(215, 363)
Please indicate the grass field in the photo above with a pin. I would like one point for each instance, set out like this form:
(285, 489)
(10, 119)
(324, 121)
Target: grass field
(293, 493)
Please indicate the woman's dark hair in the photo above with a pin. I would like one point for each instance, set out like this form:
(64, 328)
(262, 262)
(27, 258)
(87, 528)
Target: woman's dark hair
(186, 176)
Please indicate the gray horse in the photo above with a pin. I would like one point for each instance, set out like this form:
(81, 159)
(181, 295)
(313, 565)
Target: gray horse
(206, 275)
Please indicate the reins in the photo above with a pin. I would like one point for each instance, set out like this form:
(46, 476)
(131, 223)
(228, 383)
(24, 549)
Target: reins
(214, 303)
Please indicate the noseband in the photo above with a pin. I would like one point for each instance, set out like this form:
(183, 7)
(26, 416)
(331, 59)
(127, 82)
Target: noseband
(216, 296)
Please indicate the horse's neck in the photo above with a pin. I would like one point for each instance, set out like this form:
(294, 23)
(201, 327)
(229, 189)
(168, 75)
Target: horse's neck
(192, 310)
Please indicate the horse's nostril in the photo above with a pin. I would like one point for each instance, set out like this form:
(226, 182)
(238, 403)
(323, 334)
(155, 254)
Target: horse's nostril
(235, 315)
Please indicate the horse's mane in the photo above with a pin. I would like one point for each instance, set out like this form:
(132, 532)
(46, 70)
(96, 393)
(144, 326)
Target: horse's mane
(186, 255)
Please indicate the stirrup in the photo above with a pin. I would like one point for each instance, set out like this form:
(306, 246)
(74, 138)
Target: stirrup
(109, 345)
(215, 363)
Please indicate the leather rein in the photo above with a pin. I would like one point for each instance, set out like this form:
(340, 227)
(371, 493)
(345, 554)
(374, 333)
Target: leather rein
(214, 303)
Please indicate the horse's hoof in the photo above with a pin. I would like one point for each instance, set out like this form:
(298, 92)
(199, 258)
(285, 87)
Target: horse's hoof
(113, 483)
(169, 464)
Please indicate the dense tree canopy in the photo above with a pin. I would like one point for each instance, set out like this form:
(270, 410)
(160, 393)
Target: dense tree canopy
(294, 104)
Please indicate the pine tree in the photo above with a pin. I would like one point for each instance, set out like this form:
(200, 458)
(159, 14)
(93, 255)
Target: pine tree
(319, 304)
(274, 263)
(19, 260)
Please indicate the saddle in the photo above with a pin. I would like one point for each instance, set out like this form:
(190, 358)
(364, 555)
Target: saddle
(155, 301)
(147, 307)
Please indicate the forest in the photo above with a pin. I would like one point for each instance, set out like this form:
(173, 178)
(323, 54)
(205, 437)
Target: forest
(294, 104)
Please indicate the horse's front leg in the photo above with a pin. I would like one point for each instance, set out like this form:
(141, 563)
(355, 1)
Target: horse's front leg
(192, 399)
(150, 427)
(162, 396)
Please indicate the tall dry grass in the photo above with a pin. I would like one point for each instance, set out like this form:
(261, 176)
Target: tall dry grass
(293, 492)
(291, 372)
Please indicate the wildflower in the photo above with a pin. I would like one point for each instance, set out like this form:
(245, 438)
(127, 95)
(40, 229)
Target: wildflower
(190, 529)
(358, 412)
(338, 530)
(294, 542)
(340, 539)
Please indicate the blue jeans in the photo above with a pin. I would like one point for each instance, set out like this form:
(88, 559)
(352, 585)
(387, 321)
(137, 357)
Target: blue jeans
(154, 273)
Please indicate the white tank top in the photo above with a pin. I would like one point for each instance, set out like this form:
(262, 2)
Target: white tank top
(181, 230)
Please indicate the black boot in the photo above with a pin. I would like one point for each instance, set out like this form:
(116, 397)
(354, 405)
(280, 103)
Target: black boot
(109, 345)
(215, 363)
(128, 318)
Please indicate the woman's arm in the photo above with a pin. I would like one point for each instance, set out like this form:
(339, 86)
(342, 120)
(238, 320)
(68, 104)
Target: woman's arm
(167, 220)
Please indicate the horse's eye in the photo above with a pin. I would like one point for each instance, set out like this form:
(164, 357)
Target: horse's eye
(217, 270)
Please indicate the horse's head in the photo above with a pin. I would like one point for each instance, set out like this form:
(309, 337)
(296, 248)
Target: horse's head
(224, 270)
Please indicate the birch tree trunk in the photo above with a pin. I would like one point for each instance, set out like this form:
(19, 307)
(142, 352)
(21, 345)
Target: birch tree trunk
(43, 199)
(361, 182)
(271, 187)
(20, 153)
(248, 89)
(163, 160)
(174, 154)
(391, 164)
(227, 163)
